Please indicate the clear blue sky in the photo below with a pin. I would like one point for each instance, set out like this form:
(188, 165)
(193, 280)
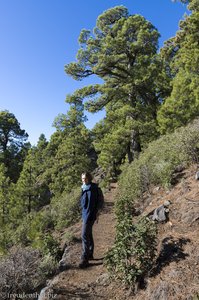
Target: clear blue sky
(37, 39)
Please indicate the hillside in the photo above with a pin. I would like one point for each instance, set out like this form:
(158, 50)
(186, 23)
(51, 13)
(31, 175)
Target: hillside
(176, 272)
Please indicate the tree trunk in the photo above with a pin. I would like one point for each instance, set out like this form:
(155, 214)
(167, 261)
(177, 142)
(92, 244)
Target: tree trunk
(134, 146)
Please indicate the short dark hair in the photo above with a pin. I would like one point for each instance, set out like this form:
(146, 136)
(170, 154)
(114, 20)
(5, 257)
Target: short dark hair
(88, 176)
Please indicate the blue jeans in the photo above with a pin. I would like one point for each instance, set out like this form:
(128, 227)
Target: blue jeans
(87, 240)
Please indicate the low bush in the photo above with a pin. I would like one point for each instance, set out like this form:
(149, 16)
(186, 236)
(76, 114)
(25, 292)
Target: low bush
(66, 209)
(19, 272)
(134, 251)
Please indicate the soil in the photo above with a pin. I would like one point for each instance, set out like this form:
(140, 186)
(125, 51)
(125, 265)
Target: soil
(176, 271)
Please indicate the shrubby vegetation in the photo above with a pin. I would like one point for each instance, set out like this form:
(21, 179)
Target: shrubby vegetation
(133, 253)
(66, 209)
(24, 271)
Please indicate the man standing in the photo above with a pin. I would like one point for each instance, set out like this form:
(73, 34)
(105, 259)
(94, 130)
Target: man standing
(89, 205)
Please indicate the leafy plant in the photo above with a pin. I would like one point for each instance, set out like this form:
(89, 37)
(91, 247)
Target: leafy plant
(134, 250)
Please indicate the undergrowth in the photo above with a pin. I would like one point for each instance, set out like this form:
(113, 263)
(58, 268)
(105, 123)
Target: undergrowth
(134, 250)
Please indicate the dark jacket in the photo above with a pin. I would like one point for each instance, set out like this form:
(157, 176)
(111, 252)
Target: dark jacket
(89, 203)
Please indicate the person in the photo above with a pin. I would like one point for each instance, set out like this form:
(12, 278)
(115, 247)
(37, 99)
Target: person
(89, 205)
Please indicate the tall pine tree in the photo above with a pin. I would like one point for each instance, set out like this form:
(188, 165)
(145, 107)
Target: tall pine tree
(182, 56)
(32, 191)
(122, 51)
(13, 148)
(72, 153)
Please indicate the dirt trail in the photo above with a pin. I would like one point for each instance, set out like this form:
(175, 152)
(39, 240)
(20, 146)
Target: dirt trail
(92, 282)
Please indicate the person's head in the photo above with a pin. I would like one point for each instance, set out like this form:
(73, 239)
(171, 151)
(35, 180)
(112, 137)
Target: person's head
(86, 177)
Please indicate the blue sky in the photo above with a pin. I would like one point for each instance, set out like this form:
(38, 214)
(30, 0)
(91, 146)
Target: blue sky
(37, 39)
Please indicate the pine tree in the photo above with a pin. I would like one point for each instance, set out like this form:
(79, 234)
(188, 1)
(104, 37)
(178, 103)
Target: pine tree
(72, 154)
(122, 51)
(32, 191)
(13, 148)
(182, 55)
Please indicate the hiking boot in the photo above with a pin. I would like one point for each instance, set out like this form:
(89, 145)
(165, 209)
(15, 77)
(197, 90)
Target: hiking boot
(83, 264)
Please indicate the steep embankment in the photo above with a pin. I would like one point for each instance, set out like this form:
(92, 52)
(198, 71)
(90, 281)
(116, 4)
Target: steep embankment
(176, 272)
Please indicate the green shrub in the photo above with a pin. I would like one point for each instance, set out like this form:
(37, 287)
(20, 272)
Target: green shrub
(34, 231)
(21, 234)
(66, 209)
(36, 228)
(47, 266)
(33, 226)
(68, 237)
(40, 222)
(5, 240)
(134, 251)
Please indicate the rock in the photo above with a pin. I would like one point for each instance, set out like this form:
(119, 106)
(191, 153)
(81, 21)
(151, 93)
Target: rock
(167, 203)
(160, 214)
(46, 294)
(64, 263)
(156, 189)
(179, 168)
(197, 175)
